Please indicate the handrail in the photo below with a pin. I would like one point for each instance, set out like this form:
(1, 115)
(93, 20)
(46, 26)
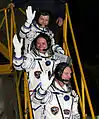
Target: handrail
(21, 10)
(7, 30)
(65, 46)
(27, 99)
(4, 50)
(80, 66)
(18, 78)
(2, 22)
(8, 52)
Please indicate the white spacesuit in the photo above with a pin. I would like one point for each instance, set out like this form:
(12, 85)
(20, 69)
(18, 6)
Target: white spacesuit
(30, 30)
(34, 62)
(51, 101)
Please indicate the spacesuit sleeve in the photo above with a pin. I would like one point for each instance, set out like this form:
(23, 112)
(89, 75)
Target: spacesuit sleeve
(41, 96)
(24, 30)
(25, 62)
(75, 111)
(51, 34)
(17, 63)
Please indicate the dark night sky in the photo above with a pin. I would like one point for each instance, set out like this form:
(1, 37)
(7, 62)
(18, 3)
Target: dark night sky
(85, 21)
(85, 18)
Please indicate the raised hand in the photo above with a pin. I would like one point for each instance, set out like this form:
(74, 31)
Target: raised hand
(29, 14)
(17, 46)
(45, 80)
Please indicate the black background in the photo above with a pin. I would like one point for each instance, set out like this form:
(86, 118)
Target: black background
(85, 21)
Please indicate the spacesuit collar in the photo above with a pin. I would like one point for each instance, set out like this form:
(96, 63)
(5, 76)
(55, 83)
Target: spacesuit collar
(46, 55)
(59, 88)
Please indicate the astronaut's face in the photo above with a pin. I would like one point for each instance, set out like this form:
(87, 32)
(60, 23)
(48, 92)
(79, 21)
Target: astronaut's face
(66, 73)
(43, 20)
(41, 45)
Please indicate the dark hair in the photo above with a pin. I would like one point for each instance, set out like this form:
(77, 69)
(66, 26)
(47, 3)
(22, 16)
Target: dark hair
(43, 35)
(44, 13)
(60, 68)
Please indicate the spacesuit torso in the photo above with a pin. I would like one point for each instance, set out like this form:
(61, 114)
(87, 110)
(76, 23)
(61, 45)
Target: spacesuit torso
(57, 104)
(34, 64)
(41, 64)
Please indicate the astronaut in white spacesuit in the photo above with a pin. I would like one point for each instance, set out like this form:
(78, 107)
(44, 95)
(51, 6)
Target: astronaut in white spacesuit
(40, 58)
(32, 28)
(54, 98)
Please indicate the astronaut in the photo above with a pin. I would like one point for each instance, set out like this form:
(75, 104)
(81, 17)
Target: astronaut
(40, 58)
(32, 28)
(54, 98)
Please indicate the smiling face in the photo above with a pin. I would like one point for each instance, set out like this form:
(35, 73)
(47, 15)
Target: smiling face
(66, 75)
(43, 20)
(41, 45)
